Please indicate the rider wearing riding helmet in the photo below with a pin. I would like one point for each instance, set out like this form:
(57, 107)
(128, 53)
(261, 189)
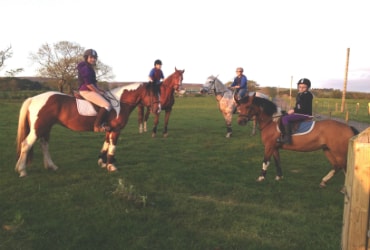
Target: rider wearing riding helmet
(301, 111)
(89, 89)
(156, 75)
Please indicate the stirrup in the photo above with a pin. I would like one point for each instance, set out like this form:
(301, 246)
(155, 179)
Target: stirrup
(284, 140)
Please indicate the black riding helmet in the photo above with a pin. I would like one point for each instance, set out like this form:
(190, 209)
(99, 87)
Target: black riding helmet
(304, 81)
(157, 62)
(90, 52)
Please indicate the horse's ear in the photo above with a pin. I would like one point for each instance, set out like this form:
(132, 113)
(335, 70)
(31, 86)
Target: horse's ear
(175, 68)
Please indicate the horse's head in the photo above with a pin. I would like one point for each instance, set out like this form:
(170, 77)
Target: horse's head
(254, 105)
(208, 85)
(174, 81)
(246, 109)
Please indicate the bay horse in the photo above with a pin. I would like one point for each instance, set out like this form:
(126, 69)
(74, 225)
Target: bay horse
(39, 113)
(225, 101)
(329, 135)
(169, 85)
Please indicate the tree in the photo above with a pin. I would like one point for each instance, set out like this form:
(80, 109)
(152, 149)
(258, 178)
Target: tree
(59, 62)
(5, 54)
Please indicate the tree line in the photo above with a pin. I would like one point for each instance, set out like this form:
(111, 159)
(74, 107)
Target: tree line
(57, 66)
(58, 61)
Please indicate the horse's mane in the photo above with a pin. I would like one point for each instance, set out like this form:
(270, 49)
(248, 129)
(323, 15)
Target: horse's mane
(268, 106)
(117, 92)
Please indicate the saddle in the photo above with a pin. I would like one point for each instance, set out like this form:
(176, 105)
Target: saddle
(87, 108)
(299, 127)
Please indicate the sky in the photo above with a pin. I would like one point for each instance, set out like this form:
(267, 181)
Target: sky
(276, 42)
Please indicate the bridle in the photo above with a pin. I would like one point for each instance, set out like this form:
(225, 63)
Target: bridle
(248, 116)
(176, 85)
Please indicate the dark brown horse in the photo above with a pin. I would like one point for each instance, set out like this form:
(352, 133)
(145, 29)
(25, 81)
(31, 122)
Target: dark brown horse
(167, 100)
(329, 135)
(38, 114)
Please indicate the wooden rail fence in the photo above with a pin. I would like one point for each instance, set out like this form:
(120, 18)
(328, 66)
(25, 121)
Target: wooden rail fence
(356, 224)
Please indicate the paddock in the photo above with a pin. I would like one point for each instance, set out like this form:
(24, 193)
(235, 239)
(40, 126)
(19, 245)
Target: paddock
(199, 190)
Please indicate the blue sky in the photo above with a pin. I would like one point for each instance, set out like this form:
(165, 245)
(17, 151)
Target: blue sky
(272, 40)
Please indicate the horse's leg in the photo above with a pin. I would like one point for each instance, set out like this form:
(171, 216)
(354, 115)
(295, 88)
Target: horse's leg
(102, 159)
(336, 162)
(166, 119)
(254, 127)
(146, 118)
(113, 137)
(140, 114)
(26, 148)
(266, 162)
(156, 121)
(279, 172)
(228, 120)
(327, 177)
(48, 162)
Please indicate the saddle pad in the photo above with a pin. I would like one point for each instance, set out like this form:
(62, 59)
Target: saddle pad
(305, 127)
(85, 108)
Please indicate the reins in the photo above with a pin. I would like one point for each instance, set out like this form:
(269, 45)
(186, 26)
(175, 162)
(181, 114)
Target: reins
(111, 98)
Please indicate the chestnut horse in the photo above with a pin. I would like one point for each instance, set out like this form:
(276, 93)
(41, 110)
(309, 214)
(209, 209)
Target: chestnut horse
(39, 113)
(225, 101)
(329, 135)
(167, 100)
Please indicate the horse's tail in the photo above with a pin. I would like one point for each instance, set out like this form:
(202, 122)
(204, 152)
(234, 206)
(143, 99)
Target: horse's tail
(354, 130)
(23, 128)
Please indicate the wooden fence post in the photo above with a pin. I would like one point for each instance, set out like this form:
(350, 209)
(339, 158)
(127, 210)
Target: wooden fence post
(356, 224)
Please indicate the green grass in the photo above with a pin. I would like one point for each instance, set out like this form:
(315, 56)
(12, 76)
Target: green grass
(200, 190)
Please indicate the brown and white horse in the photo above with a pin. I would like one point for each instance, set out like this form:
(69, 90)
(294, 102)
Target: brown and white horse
(329, 135)
(39, 113)
(170, 84)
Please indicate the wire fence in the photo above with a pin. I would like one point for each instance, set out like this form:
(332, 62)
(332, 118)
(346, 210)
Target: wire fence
(355, 112)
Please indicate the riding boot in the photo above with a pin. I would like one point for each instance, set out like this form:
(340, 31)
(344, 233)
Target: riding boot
(99, 124)
(287, 139)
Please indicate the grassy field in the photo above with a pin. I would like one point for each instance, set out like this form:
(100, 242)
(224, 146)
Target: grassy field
(193, 190)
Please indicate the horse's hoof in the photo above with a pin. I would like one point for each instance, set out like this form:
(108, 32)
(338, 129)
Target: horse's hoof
(260, 178)
(22, 174)
(153, 135)
(228, 135)
(111, 168)
(54, 168)
(101, 163)
(165, 135)
(322, 184)
(278, 178)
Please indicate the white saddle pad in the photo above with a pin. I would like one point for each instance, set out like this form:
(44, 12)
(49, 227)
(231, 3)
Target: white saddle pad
(85, 108)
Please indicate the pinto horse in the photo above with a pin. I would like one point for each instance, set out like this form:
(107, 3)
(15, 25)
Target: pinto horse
(167, 100)
(225, 101)
(329, 135)
(39, 113)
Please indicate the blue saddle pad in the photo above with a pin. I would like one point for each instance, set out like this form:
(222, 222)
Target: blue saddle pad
(304, 127)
